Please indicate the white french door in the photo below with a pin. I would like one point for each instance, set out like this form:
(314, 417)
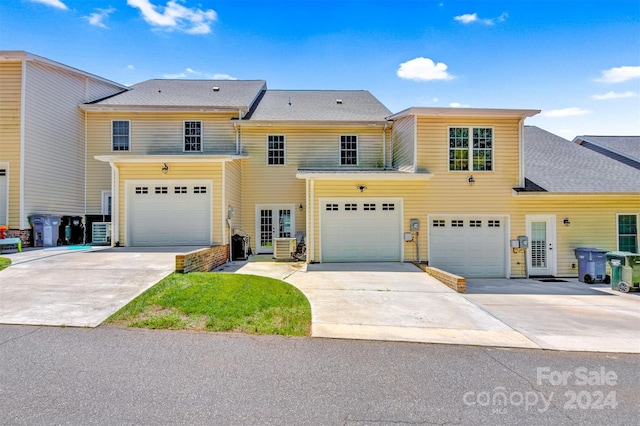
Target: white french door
(273, 221)
(541, 230)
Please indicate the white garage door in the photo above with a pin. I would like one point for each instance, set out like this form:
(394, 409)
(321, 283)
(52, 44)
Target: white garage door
(168, 213)
(468, 246)
(360, 230)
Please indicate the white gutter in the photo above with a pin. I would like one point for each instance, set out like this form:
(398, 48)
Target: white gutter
(23, 110)
(185, 158)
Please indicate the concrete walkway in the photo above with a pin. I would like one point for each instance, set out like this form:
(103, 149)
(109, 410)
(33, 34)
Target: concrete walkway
(78, 287)
(399, 302)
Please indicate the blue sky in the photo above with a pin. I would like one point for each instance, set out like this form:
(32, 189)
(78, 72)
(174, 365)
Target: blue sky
(577, 61)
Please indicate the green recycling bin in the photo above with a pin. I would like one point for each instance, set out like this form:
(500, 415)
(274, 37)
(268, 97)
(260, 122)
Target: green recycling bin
(625, 270)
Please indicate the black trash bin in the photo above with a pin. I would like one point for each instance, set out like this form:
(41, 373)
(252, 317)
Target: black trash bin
(239, 247)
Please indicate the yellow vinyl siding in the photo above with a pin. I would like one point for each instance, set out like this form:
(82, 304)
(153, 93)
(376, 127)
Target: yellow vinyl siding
(305, 147)
(593, 222)
(150, 134)
(197, 171)
(10, 112)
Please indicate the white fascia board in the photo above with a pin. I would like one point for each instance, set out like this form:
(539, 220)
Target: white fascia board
(465, 112)
(168, 158)
(362, 175)
(545, 194)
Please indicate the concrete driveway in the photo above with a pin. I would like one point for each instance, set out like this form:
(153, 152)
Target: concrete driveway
(395, 301)
(62, 286)
(388, 301)
(567, 315)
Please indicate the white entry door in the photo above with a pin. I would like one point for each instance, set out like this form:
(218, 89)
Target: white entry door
(541, 230)
(273, 221)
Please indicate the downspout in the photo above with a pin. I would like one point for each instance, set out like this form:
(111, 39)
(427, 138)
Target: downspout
(115, 204)
(23, 111)
(415, 143)
(312, 233)
(521, 149)
(84, 216)
(224, 209)
(384, 146)
(235, 127)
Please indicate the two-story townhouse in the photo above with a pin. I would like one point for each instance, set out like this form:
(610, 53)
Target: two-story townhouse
(298, 141)
(465, 210)
(165, 156)
(42, 140)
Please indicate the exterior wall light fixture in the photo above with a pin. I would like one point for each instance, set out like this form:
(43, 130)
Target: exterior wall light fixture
(471, 180)
(165, 169)
(566, 221)
(300, 207)
(361, 188)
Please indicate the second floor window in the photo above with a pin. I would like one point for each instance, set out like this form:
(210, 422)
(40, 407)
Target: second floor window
(120, 135)
(471, 148)
(349, 150)
(193, 135)
(275, 150)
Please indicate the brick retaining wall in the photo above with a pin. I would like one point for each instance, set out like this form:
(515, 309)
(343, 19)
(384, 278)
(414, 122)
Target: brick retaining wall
(202, 260)
(455, 282)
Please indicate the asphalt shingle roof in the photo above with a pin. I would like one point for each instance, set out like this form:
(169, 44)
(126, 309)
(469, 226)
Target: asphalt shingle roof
(320, 105)
(627, 145)
(558, 165)
(189, 93)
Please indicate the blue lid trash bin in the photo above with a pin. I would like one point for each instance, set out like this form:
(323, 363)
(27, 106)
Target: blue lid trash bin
(592, 265)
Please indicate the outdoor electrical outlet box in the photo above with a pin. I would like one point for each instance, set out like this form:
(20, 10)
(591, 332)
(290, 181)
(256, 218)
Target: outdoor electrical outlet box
(408, 237)
(414, 224)
(524, 241)
(515, 243)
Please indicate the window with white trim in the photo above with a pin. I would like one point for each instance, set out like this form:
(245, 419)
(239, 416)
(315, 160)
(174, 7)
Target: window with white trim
(471, 148)
(349, 150)
(351, 207)
(438, 223)
(193, 135)
(120, 133)
(627, 232)
(331, 207)
(275, 150)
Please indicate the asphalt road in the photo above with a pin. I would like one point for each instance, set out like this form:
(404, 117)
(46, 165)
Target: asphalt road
(121, 376)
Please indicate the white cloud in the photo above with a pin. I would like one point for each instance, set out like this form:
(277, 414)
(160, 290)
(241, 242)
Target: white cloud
(615, 95)
(565, 112)
(97, 17)
(423, 69)
(175, 16)
(52, 3)
(469, 18)
(459, 105)
(619, 74)
(191, 73)
(130, 67)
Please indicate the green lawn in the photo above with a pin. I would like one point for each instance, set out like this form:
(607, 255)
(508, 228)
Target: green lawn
(217, 301)
(4, 262)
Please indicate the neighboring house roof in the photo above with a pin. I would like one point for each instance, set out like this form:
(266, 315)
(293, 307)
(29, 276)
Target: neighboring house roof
(558, 165)
(319, 105)
(206, 95)
(625, 149)
(19, 55)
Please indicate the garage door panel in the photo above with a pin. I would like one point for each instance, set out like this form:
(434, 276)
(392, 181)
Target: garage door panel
(471, 247)
(360, 231)
(174, 213)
